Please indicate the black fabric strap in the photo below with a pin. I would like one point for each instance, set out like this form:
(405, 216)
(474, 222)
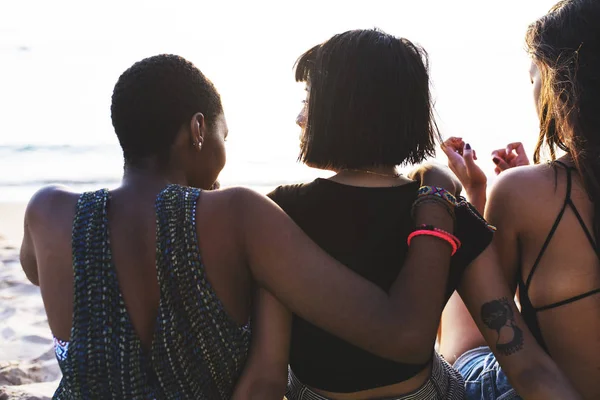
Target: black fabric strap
(567, 301)
(554, 227)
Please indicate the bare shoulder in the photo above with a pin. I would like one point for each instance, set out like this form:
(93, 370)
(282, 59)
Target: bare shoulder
(236, 199)
(517, 190)
(51, 202)
(236, 210)
(523, 181)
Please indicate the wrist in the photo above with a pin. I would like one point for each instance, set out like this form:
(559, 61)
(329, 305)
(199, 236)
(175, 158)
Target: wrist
(477, 197)
(477, 189)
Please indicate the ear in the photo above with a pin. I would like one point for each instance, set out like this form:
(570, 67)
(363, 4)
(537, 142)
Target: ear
(197, 130)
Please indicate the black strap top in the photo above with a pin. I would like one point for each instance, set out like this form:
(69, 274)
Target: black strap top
(528, 311)
(365, 229)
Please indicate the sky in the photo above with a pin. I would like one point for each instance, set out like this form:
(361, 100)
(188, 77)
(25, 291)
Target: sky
(61, 59)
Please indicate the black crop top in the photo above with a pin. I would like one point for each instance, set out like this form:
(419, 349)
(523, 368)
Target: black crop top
(363, 228)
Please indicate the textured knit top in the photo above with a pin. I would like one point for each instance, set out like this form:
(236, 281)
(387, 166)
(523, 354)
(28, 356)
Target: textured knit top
(197, 351)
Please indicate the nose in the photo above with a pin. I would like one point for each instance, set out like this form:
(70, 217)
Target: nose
(301, 119)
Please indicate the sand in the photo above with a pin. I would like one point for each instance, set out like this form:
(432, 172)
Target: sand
(28, 368)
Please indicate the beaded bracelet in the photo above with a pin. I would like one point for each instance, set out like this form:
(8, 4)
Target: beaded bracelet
(437, 191)
(429, 230)
(433, 199)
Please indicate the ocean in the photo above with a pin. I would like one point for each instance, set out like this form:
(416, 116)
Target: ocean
(61, 59)
(25, 169)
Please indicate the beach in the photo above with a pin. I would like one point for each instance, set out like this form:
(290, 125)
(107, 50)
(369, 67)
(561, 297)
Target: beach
(28, 367)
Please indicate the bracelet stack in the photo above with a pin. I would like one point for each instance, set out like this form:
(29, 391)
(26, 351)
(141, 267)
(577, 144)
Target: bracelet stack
(433, 194)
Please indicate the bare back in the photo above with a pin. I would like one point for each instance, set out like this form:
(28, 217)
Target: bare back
(547, 252)
(132, 225)
(132, 285)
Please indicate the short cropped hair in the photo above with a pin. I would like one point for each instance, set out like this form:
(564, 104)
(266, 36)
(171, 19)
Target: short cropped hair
(369, 102)
(153, 99)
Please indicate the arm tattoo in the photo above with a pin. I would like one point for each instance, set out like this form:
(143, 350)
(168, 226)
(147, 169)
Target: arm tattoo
(499, 316)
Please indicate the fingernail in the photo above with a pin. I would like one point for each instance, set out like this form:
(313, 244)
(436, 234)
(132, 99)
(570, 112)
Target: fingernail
(496, 160)
(468, 146)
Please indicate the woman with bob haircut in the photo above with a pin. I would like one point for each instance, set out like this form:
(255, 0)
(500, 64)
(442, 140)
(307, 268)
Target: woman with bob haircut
(548, 214)
(368, 109)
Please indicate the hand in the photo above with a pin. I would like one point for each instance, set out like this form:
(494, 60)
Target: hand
(461, 160)
(513, 156)
(429, 174)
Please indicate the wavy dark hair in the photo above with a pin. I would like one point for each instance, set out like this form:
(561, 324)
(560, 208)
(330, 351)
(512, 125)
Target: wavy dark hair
(565, 45)
(369, 102)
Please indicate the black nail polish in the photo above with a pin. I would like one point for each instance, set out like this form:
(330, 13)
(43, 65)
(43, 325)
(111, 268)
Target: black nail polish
(496, 160)
(468, 146)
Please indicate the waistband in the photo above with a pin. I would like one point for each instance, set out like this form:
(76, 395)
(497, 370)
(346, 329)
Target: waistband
(445, 383)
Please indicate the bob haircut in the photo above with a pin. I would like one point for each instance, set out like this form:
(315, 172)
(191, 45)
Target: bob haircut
(369, 102)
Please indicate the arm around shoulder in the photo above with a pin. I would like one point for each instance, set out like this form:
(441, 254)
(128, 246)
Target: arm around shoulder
(283, 260)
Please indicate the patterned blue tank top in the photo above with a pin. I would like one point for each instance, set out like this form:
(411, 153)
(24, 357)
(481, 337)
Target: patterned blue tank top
(197, 352)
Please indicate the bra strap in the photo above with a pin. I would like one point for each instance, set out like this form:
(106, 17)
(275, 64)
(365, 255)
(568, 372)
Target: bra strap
(567, 301)
(554, 227)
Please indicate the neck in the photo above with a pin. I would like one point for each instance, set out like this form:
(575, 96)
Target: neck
(383, 171)
(370, 177)
(151, 176)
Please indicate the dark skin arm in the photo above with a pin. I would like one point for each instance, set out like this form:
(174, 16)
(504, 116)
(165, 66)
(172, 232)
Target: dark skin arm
(43, 203)
(27, 256)
(285, 261)
(266, 371)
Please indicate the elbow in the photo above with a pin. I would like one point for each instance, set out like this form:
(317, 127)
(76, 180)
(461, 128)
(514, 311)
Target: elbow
(530, 381)
(537, 381)
(30, 269)
(32, 277)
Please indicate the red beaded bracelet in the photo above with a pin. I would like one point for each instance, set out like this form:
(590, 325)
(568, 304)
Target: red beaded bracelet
(429, 230)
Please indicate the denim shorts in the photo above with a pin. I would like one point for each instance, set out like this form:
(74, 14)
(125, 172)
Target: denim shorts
(484, 378)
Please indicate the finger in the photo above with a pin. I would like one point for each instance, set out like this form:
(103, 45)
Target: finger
(500, 153)
(474, 155)
(453, 143)
(521, 155)
(455, 160)
(500, 163)
(469, 156)
(453, 139)
(516, 146)
(510, 159)
(497, 171)
(459, 144)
